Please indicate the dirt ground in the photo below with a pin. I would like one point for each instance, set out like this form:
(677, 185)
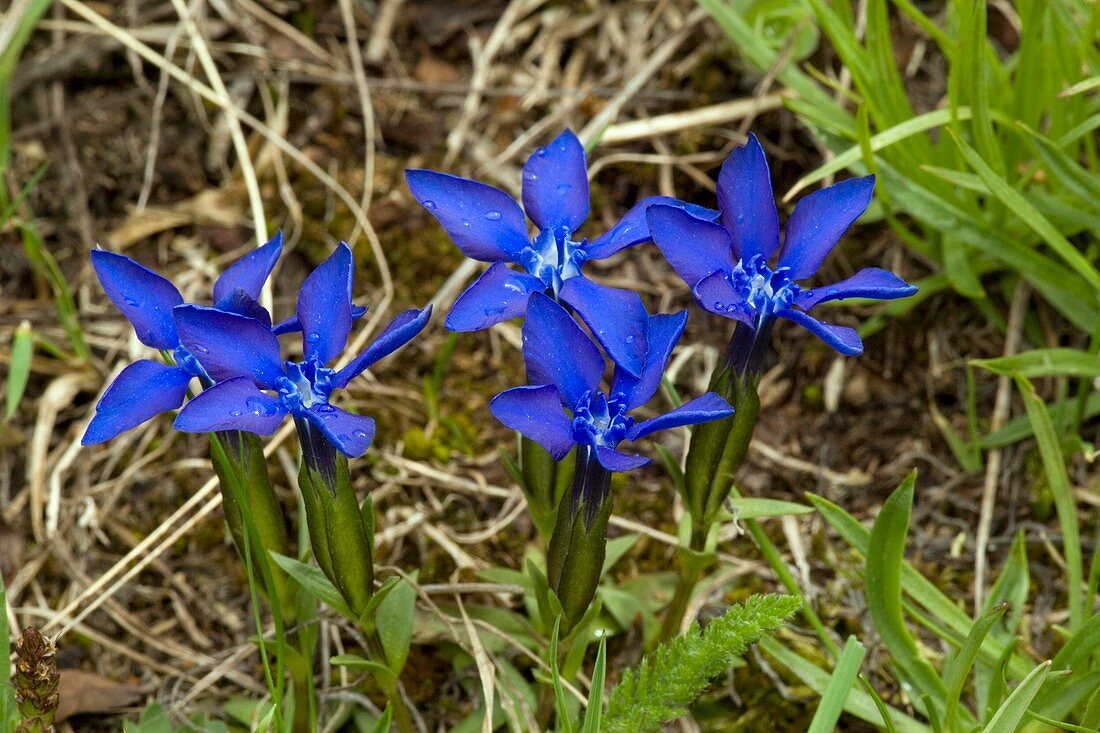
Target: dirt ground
(148, 166)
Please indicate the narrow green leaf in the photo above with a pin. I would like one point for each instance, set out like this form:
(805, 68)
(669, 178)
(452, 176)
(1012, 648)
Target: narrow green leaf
(19, 370)
(354, 661)
(886, 553)
(314, 581)
(1010, 715)
(1045, 363)
(858, 703)
(564, 721)
(593, 713)
(394, 621)
(1016, 203)
(1054, 464)
(753, 508)
(958, 667)
(840, 685)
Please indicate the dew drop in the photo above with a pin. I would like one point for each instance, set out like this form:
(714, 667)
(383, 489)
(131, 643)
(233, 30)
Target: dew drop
(494, 311)
(465, 222)
(428, 204)
(132, 302)
(740, 218)
(719, 305)
(360, 433)
(809, 293)
(493, 215)
(630, 339)
(201, 349)
(313, 337)
(235, 413)
(564, 187)
(530, 175)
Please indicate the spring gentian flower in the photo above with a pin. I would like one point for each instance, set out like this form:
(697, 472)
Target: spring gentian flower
(488, 225)
(565, 370)
(728, 264)
(147, 388)
(242, 354)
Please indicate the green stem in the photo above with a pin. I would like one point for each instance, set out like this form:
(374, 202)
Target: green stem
(401, 714)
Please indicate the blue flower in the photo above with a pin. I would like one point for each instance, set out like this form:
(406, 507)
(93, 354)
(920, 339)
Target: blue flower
(728, 264)
(488, 225)
(242, 354)
(565, 370)
(147, 388)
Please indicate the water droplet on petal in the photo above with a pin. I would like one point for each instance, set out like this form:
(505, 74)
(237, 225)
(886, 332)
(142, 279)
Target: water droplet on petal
(360, 434)
(809, 293)
(564, 187)
(630, 339)
(739, 218)
(465, 222)
(530, 175)
(428, 204)
(313, 337)
(199, 348)
(494, 311)
(132, 302)
(235, 413)
(719, 305)
(493, 215)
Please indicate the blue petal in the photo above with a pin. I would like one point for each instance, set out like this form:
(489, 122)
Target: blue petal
(291, 324)
(398, 333)
(613, 460)
(714, 293)
(143, 296)
(536, 413)
(843, 339)
(243, 304)
(868, 283)
(324, 307)
(141, 391)
(235, 404)
(250, 272)
(558, 352)
(229, 345)
(350, 434)
(486, 223)
(695, 248)
(747, 203)
(633, 228)
(820, 220)
(498, 295)
(555, 184)
(617, 318)
(705, 408)
(662, 334)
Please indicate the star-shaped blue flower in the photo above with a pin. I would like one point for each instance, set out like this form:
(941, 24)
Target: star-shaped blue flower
(242, 354)
(147, 388)
(488, 225)
(565, 369)
(728, 264)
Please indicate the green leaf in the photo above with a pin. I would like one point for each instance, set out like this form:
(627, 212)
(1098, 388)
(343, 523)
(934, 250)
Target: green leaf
(1019, 205)
(153, 720)
(564, 721)
(959, 666)
(314, 581)
(1045, 363)
(886, 553)
(840, 685)
(1054, 464)
(356, 662)
(593, 713)
(752, 508)
(1010, 715)
(22, 348)
(394, 621)
(915, 585)
(858, 703)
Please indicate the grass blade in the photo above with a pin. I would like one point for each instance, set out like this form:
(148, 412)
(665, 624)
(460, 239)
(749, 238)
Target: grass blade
(22, 348)
(840, 685)
(593, 713)
(1011, 714)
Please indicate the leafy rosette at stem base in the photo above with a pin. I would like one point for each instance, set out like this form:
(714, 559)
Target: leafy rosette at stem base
(565, 369)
